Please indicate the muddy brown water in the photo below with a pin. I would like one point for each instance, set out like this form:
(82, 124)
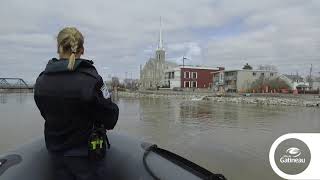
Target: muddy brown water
(232, 139)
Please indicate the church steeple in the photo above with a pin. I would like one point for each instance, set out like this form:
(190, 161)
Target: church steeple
(160, 52)
(160, 45)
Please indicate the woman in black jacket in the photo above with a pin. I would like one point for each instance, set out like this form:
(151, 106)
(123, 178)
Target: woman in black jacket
(71, 97)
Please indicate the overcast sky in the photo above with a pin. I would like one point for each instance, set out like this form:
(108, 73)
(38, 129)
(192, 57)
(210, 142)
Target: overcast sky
(121, 35)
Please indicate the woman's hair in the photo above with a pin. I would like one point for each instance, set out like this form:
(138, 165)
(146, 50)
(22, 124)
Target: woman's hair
(70, 41)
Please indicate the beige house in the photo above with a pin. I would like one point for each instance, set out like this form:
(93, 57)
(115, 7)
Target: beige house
(241, 80)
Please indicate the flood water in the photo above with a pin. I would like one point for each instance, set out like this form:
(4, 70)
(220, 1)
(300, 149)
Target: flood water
(231, 139)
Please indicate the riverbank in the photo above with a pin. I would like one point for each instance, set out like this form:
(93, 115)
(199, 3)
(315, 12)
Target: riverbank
(261, 99)
(16, 90)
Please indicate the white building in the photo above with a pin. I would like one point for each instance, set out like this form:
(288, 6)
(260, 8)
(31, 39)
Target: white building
(173, 77)
(294, 81)
(152, 73)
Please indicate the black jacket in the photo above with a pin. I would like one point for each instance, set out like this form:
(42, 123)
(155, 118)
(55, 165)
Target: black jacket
(70, 101)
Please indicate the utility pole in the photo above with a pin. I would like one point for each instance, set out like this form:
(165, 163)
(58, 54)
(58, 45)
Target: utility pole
(131, 81)
(318, 86)
(125, 80)
(310, 77)
(184, 58)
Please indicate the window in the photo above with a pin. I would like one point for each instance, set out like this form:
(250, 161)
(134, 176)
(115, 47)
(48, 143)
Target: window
(186, 74)
(194, 84)
(172, 75)
(254, 73)
(262, 74)
(194, 75)
(271, 74)
(186, 84)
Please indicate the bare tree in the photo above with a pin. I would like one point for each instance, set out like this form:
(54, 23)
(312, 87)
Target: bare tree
(115, 81)
(247, 66)
(275, 83)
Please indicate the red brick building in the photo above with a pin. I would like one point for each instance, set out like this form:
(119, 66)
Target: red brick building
(190, 77)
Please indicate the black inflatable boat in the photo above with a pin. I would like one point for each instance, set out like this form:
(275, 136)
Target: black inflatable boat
(127, 159)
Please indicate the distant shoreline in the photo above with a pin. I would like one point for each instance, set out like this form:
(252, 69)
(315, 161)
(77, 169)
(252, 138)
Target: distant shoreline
(258, 98)
(17, 90)
(300, 100)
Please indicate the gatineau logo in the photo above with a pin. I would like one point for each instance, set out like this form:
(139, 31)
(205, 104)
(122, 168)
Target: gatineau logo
(295, 152)
(292, 156)
(296, 156)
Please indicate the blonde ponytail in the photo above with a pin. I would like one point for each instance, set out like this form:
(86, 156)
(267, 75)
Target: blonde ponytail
(74, 48)
(70, 41)
(72, 60)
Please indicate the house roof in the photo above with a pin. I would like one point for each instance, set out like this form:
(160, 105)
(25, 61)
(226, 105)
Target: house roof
(294, 77)
(250, 70)
(198, 67)
(191, 67)
(302, 85)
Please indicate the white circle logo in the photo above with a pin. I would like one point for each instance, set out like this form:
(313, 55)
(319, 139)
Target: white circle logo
(295, 156)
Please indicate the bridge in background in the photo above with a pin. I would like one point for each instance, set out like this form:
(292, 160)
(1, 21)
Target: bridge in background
(14, 83)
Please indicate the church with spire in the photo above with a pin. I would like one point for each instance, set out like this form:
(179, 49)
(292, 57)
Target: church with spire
(153, 72)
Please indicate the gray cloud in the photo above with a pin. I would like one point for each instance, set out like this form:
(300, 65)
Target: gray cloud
(287, 36)
(122, 35)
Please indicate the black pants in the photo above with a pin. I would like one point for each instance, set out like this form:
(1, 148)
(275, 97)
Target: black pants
(77, 168)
